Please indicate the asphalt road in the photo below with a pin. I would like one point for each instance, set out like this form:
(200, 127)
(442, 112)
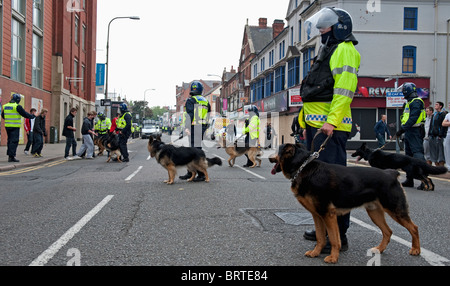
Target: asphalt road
(93, 213)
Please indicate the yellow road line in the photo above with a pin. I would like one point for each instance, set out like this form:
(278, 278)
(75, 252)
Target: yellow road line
(34, 168)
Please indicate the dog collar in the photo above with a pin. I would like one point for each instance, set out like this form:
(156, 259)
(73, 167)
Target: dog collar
(311, 158)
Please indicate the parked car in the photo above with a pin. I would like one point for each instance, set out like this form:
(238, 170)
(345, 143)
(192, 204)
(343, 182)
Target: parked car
(150, 130)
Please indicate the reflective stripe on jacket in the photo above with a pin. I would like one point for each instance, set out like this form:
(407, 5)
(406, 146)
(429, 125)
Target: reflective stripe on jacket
(407, 112)
(200, 111)
(103, 126)
(12, 116)
(344, 65)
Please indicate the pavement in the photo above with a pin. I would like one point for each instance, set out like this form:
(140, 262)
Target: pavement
(55, 152)
(50, 152)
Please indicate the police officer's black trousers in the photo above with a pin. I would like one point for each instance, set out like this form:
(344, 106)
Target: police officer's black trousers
(334, 153)
(13, 141)
(123, 146)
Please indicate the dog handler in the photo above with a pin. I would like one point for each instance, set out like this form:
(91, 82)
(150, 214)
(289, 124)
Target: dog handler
(327, 93)
(413, 125)
(196, 123)
(124, 123)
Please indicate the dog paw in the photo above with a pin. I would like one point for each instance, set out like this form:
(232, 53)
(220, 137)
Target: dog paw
(414, 251)
(312, 253)
(331, 259)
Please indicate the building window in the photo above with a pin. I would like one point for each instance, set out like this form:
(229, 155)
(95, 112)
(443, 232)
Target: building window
(308, 59)
(282, 52)
(293, 72)
(75, 73)
(36, 80)
(269, 85)
(38, 14)
(83, 71)
(17, 51)
(271, 61)
(1, 33)
(253, 92)
(259, 89)
(83, 37)
(77, 25)
(409, 59)
(410, 19)
(279, 79)
(263, 63)
(18, 6)
(299, 31)
(255, 70)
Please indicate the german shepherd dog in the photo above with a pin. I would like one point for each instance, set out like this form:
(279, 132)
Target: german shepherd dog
(234, 151)
(100, 141)
(327, 190)
(413, 167)
(171, 157)
(111, 144)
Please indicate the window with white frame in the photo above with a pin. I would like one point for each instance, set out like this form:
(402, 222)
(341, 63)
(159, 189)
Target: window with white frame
(17, 50)
(38, 14)
(36, 76)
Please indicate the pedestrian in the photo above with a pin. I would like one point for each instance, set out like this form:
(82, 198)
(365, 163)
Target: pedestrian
(69, 132)
(413, 126)
(270, 136)
(12, 114)
(446, 123)
(28, 126)
(437, 135)
(39, 132)
(252, 126)
(114, 124)
(124, 124)
(198, 110)
(381, 129)
(87, 130)
(327, 94)
(231, 132)
(426, 141)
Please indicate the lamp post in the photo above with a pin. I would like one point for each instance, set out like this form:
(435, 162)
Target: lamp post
(107, 52)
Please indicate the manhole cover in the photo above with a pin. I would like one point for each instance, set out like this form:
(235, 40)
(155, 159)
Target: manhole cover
(296, 219)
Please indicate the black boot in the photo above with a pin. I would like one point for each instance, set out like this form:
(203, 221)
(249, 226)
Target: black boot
(408, 183)
(186, 177)
(200, 178)
(13, 160)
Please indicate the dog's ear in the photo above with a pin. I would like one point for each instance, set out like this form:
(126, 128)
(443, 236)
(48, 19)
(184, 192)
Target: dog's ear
(158, 138)
(364, 145)
(150, 140)
(289, 150)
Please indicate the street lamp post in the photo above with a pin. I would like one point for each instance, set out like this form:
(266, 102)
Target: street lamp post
(107, 52)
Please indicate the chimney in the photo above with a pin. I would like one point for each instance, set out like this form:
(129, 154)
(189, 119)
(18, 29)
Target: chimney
(232, 70)
(263, 23)
(278, 26)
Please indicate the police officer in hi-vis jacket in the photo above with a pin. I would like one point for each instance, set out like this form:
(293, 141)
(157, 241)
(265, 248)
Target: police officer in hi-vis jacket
(327, 93)
(12, 114)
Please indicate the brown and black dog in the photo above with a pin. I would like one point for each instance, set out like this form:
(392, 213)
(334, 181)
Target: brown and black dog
(171, 157)
(100, 141)
(234, 151)
(327, 190)
(111, 144)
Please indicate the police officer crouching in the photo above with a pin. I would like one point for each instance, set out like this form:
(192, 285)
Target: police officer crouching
(12, 113)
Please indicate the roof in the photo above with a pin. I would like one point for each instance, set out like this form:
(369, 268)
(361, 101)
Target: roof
(259, 37)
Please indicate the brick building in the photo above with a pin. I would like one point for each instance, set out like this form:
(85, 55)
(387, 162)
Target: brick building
(48, 56)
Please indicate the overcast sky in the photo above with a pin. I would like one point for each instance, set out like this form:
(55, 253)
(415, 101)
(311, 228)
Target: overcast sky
(174, 42)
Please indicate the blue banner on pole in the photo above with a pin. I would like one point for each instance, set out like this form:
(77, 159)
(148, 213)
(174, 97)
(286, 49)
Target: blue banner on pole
(100, 76)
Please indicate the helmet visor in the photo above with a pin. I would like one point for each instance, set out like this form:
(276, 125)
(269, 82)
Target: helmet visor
(323, 19)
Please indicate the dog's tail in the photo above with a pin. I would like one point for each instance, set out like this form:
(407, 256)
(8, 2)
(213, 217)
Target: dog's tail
(434, 170)
(214, 161)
